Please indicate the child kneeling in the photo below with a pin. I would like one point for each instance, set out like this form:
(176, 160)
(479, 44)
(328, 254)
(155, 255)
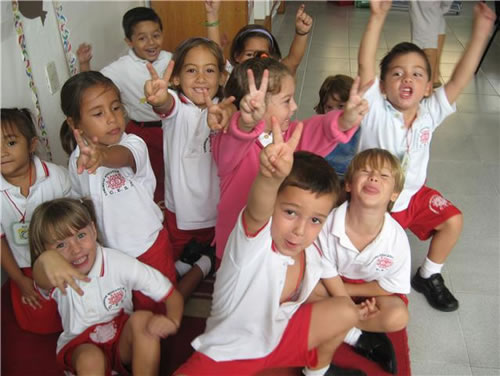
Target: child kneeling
(100, 332)
(261, 317)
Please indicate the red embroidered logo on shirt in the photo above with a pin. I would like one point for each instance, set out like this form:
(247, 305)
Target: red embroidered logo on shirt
(114, 182)
(384, 262)
(425, 136)
(437, 203)
(114, 298)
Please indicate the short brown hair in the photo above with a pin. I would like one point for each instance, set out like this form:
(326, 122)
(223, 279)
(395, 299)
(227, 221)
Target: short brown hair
(376, 158)
(339, 84)
(58, 219)
(312, 173)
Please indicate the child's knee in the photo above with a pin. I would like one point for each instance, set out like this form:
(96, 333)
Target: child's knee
(89, 360)
(396, 319)
(344, 311)
(139, 320)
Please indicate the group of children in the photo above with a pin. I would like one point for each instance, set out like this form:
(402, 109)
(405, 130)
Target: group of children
(90, 252)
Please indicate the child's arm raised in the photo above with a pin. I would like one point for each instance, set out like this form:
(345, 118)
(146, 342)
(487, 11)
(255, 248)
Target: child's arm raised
(156, 89)
(212, 23)
(356, 107)
(52, 270)
(84, 54)
(484, 18)
(303, 24)
(253, 105)
(368, 47)
(219, 114)
(276, 162)
(94, 155)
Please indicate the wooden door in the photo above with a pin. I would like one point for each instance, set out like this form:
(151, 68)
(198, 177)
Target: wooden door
(186, 19)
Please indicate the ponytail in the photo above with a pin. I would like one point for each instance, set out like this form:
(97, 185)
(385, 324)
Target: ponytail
(67, 138)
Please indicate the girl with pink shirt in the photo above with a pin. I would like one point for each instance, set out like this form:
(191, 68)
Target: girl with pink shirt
(236, 149)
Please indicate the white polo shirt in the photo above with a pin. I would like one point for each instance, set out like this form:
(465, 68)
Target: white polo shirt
(383, 127)
(52, 181)
(130, 73)
(113, 277)
(127, 216)
(247, 320)
(386, 259)
(191, 181)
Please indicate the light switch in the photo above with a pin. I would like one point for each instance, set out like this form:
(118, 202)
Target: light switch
(52, 78)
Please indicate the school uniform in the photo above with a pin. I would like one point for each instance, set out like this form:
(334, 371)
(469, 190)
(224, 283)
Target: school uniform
(247, 323)
(51, 182)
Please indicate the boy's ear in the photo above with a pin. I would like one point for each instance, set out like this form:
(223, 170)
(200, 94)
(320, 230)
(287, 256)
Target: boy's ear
(347, 186)
(33, 144)
(129, 42)
(382, 87)
(394, 196)
(176, 80)
(428, 89)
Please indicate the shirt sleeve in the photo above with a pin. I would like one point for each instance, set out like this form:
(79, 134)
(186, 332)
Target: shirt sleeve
(73, 175)
(438, 107)
(139, 150)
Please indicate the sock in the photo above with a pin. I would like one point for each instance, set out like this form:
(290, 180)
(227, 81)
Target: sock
(204, 264)
(429, 268)
(182, 268)
(352, 336)
(315, 372)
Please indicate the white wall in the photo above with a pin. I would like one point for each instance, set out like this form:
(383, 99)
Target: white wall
(98, 23)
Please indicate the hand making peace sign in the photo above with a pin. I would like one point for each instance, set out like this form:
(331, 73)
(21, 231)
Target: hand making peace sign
(253, 104)
(356, 107)
(156, 89)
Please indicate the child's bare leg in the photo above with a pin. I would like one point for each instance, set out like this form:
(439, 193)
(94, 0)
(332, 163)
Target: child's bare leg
(138, 347)
(445, 238)
(88, 359)
(393, 316)
(330, 320)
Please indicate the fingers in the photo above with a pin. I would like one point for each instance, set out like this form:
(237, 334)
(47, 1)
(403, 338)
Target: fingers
(229, 100)
(208, 100)
(300, 11)
(251, 82)
(276, 129)
(168, 72)
(152, 71)
(354, 88)
(264, 82)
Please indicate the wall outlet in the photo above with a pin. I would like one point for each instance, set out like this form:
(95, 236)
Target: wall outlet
(52, 78)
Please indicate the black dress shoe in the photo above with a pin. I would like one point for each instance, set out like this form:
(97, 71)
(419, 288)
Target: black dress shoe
(192, 252)
(378, 348)
(339, 371)
(434, 290)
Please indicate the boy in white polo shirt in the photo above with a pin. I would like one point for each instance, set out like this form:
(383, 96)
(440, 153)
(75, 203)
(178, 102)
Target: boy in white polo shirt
(370, 250)
(402, 117)
(260, 315)
(144, 35)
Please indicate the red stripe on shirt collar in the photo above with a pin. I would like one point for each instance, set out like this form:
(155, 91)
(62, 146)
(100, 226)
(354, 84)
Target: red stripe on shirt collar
(318, 249)
(45, 168)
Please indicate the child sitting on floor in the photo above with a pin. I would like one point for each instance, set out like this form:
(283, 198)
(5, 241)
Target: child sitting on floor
(261, 317)
(100, 332)
(370, 250)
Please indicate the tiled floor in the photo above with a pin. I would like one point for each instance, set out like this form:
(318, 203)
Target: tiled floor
(464, 166)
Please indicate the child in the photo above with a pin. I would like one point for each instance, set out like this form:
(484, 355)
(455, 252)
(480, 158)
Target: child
(144, 35)
(252, 39)
(370, 250)
(192, 185)
(26, 182)
(261, 317)
(402, 121)
(333, 95)
(236, 152)
(100, 332)
(113, 169)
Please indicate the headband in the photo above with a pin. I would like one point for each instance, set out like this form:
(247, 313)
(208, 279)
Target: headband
(260, 31)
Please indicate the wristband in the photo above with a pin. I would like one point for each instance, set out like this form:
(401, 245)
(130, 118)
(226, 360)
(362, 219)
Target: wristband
(300, 33)
(212, 24)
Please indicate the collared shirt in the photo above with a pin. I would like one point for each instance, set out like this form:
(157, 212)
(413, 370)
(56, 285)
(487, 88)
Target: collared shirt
(247, 320)
(129, 73)
(191, 181)
(127, 216)
(51, 182)
(112, 278)
(386, 259)
(383, 127)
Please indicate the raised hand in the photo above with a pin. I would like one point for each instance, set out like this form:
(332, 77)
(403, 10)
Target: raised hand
(92, 154)
(156, 89)
(303, 21)
(276, 159)
(161, 326)
(380, 7)
(253, 105)
(84, 53)
(28, 293)
(356, 107)
(219, 114)
(60, 273)
(212, 7)
(484, 18)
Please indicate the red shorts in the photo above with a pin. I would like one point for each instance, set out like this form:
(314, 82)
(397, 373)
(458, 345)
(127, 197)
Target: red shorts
(153, 137)
(159, 256)
(359, 299)
(106, 336)
(427, 210)
(44, 320)
(292, 351)
(180, 238)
